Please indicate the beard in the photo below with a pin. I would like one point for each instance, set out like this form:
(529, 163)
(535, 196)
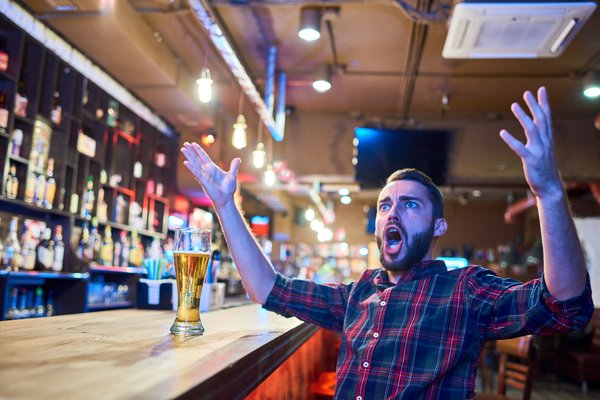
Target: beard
(415, 250)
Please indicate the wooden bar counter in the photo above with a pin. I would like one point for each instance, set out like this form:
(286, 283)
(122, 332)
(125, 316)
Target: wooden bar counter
(130, 354)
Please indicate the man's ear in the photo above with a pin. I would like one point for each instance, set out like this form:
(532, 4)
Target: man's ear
(440, 227)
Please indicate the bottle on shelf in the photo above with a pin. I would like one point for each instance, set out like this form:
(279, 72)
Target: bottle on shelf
(16, 140)
(30, 304)
(11, 187)
(102, 207)
(160, 157)
(136, 252)
(21, 99)
(30, 184)
(50, 190)
(3, 110)
(39, 310)
(87, 203)
(45, 252)
(125, 248)
(40, 190)
(56, 112)
(107, 250)
(23, 310)
(95, 242)
(4, 57)
(59, 249)
(50, 304)
(84, 250)
(13, 312)
(28, 246)
(11, 258)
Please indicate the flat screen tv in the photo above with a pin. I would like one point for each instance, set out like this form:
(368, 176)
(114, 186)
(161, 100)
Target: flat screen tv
(381, 152)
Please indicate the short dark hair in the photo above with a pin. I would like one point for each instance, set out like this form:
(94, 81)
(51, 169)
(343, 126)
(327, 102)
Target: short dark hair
(412, 174)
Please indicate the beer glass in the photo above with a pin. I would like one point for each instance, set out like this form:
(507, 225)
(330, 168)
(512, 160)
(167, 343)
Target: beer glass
(191, 254)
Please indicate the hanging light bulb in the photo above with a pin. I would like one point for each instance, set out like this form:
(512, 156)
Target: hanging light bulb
(205, 86)
(269, 176)
(259, 156)
(238, 140)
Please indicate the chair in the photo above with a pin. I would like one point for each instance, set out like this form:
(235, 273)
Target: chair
(584, 366)
(515, 368)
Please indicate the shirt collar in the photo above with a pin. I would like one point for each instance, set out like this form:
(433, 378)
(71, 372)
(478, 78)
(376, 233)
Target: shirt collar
(418, 270)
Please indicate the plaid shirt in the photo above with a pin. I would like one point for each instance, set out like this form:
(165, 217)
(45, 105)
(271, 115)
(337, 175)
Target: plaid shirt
(421, 338)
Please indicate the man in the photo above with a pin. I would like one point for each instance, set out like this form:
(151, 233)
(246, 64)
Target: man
(413, 329)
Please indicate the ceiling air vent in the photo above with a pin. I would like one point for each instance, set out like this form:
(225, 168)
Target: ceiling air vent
(514, 30)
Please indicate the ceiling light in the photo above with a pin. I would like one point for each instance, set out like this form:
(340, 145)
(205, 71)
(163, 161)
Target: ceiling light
(346, 200)
(591, 87)
(269, 176)
(238, 140)
(259, 156)
(205, 86)
(322, 82)
(344, 192)
(310, 23)
(309, 214)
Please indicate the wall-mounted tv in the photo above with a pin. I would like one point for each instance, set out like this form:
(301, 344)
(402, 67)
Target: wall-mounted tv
(382, 151)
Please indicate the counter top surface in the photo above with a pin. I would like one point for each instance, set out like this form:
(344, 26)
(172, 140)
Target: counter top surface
(131, 354)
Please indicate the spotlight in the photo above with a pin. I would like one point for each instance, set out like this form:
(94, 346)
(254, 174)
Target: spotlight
(310, 23)
(591, 86)
(322, 82)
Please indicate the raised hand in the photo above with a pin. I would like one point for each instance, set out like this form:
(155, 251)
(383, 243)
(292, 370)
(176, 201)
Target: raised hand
(219, 185)
(537, 154)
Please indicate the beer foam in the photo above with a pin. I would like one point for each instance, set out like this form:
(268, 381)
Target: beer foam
(192, 252)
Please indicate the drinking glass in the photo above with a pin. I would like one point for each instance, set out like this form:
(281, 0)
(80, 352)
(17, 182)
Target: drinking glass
(191, 254)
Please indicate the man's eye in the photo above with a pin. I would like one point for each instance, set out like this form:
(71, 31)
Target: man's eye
(384, 207)
(411, 204)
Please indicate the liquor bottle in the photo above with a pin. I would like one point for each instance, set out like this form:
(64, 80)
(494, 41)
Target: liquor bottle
(107, 250)
(50, 191)
(45, 252)
(11, 188)
(4, 57)
(87, 203)
(13, 312)
(30, 304)
(11, 258)
(102, 207)
(136, 252)
(3, 110)
(50, 304)
(59, 249)
(30, 187)
(16, 139)
(125, 248)
(40, 189)
(38, 305)
(21, 99)
(95, 242)
(56, 113)
(28, 245)
(84, 250)
(23, 311)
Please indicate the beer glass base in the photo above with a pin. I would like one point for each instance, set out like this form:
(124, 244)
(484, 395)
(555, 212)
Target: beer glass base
(187, 328)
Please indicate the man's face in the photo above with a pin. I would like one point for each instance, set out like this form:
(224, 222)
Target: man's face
(405, 225)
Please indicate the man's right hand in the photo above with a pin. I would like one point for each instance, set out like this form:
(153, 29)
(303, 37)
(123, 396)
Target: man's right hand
(219, 185)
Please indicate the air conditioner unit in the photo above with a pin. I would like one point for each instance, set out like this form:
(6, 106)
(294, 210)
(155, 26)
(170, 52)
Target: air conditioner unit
(514, 30)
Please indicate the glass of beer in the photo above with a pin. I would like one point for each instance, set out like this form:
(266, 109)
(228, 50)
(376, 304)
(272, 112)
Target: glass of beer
(191, 253)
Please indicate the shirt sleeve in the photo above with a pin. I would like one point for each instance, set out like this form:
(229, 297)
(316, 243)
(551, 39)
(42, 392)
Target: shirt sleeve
(320, 304)
(506, 308)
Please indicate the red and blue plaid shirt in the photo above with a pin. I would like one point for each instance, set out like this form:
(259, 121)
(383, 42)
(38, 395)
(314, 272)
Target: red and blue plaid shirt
(421, 337)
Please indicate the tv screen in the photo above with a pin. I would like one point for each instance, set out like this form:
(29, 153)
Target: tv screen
(381, 152)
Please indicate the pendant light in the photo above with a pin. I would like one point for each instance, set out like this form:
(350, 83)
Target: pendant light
(205, 86)
(259, 156)
(238, 139)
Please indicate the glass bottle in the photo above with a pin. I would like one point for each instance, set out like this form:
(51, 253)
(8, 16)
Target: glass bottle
(30, 187)
(50, 191)
(84, 249)
(40, 189)
(45, 252)
(136, 252)
(95, 242)
(11, 187)
(59, 249)
(56, 112)
(11, 258)
(50, 304)
(21, 99)
(28, 248)
(16, 142)
(87, 203)
(13, 312)
(107, 250)
(125, 248)
(23, 309)
(3, 110)
(38, 305)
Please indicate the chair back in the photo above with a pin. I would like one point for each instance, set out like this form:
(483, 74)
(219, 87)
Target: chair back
(595, 348)
(516, 365)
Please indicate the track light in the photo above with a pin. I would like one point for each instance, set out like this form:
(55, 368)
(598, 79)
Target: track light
(322, 81)
(310, 23)
(591, 86)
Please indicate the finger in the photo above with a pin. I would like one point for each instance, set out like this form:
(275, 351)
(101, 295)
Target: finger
(201, 153)
(544, 103)
(234, 166)
(190, 154)
(527, 124)
(515, 145)
(539, 117)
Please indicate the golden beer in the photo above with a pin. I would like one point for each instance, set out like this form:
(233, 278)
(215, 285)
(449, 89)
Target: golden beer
(190, 269)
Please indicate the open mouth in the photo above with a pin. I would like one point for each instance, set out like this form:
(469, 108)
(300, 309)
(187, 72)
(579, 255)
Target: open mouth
(393, 240)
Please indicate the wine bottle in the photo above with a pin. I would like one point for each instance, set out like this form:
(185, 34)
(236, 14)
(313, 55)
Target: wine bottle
(50, 190)
(59, 249)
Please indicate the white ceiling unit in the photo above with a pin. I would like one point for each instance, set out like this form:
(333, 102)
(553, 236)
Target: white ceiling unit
(514, 30)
